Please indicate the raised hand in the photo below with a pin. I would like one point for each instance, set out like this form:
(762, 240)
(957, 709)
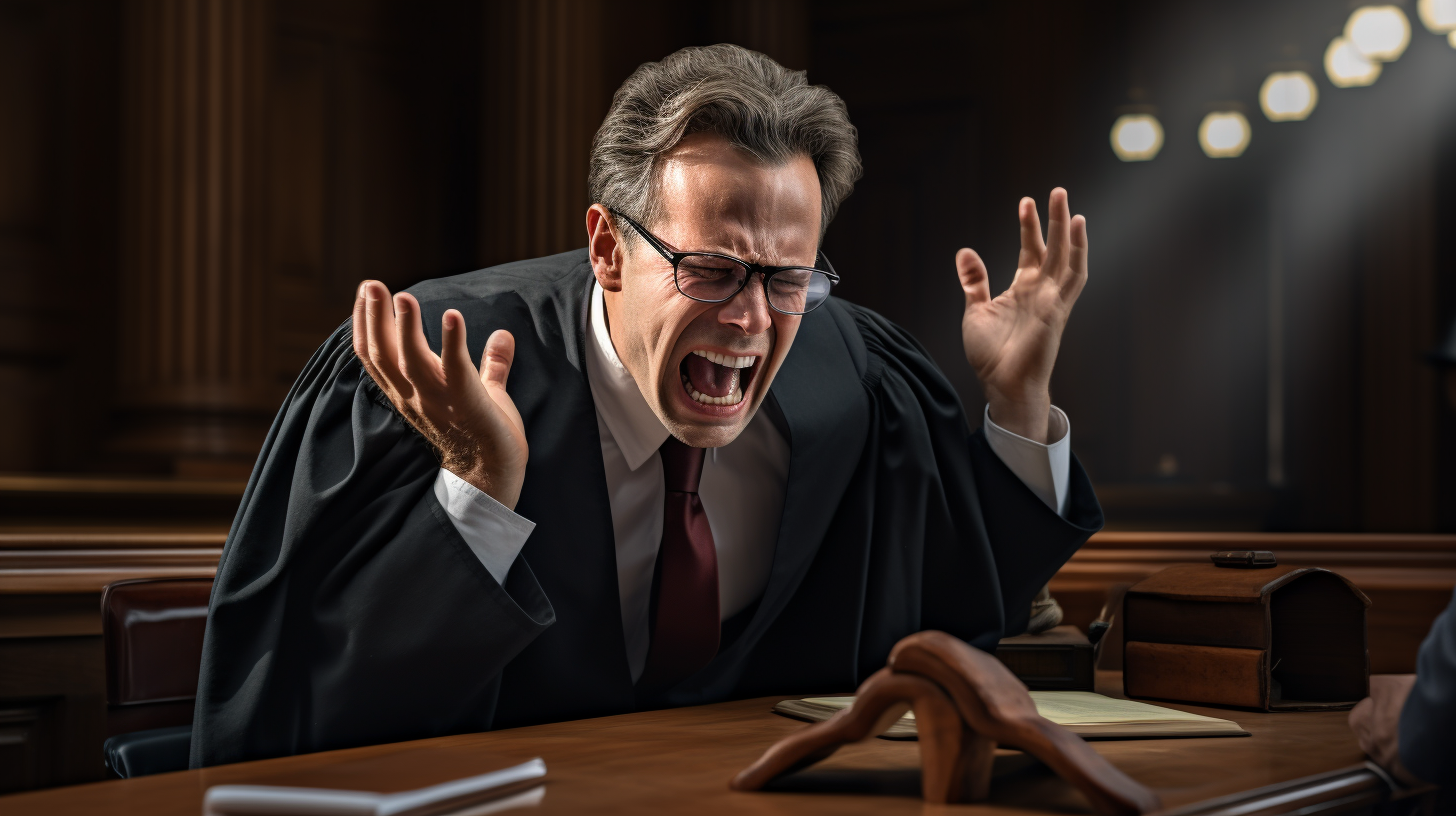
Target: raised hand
(464, 412)
(1011, 340)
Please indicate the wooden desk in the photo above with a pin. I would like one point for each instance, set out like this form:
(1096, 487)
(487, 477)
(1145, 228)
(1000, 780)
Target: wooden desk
(680, 761)
(52, 689)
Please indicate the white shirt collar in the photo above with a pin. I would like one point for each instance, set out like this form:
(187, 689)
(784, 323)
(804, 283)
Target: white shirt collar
(634, 426)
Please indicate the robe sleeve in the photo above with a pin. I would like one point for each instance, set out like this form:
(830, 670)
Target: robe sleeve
(1428, 719)
(988, 543)
(347, 609)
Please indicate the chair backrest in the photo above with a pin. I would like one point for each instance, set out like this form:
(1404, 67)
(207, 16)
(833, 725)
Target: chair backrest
(152, 630)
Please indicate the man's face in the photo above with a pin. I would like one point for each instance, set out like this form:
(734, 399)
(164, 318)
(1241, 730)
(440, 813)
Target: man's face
(704, 368)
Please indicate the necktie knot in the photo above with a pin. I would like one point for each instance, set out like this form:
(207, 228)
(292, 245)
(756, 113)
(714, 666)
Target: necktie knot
(682, 466)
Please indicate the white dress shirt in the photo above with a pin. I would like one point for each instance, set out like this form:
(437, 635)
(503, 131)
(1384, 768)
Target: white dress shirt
(742, 492)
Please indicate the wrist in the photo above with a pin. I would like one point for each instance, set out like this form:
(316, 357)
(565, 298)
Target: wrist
(1026, 415)
(505, 491)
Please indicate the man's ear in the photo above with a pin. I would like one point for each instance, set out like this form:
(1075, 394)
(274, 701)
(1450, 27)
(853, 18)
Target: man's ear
(605, 248)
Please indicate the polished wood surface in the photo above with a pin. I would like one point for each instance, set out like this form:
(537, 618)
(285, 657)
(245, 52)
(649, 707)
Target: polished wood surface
(680, 761)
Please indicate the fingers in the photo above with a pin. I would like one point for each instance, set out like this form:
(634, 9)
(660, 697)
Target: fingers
(1032, 248)
(975, 282)
(495, 362)
(380, 346)
(1059, 223)
(360, 326)
(415, 357)
(454, 353)
(1076, 259)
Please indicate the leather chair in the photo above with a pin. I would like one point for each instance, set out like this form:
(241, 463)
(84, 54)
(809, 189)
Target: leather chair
(152, 632)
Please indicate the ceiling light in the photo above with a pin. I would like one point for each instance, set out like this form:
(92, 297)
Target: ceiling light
(1288, 96)
(1137, 136)
(1379, 32)
(1224, 134)
(1438, 15)
(1347, 67)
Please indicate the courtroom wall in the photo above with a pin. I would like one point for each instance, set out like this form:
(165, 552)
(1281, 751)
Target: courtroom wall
(407, 140)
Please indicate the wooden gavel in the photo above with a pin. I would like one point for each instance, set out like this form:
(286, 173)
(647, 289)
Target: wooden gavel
(966, 702)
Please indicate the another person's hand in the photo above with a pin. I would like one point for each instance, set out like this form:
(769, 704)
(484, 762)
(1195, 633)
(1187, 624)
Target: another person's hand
(1012, 340)
(1376, 722)
(466, 414)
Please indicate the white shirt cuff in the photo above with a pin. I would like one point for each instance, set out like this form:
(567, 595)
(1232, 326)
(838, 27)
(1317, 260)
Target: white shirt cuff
(492, 531)
(1045, 469)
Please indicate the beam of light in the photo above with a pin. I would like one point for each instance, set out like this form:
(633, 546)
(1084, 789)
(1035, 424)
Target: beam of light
(1137, 137)
(1288, 96)
(1347, 67)
(1380, 33)
(1439, 16)
(1224, 134)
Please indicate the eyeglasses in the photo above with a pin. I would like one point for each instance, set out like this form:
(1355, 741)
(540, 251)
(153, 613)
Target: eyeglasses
(712, 277)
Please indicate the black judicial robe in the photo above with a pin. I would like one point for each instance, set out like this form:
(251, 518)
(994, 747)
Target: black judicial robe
(347, 609)
(1428, 719)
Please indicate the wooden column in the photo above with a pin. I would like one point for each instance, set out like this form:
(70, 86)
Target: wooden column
(544, 99)
(192, 392)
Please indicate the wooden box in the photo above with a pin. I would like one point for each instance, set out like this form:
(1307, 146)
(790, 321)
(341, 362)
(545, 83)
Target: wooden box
(1059, 659)
(1284, 638)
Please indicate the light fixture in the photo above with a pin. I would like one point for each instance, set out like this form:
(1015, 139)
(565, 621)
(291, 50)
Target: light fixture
(1451, 38)
(1347, 67)
(1379, 33)
(1224, 134)
(1137, 136)
(1288, 96)
(1439, 16)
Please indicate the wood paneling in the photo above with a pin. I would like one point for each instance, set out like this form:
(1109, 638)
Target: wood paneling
(59, 101)
(52, 709)
(53, 715)
(192, 354)
(543, 101)
(1409, 578)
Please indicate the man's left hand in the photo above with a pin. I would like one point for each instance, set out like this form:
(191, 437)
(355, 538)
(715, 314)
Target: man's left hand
(1376, 722)
(1011, 340)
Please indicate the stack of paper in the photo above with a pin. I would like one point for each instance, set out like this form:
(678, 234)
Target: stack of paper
(449, 797)
(1089, 715)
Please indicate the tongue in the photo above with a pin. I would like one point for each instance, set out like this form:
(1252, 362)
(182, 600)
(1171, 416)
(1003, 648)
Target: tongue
(709, 378)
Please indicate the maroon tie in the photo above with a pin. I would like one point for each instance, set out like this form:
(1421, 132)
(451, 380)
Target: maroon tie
(685, 626)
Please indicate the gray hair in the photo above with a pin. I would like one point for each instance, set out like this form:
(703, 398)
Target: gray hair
(759, 106)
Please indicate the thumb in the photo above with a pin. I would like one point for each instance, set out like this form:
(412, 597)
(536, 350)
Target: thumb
(974, 280)
(495, 361)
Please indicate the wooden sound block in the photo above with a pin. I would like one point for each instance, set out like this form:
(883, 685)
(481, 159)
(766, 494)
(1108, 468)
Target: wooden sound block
(965, 702)
(955, 761)
(992, 702)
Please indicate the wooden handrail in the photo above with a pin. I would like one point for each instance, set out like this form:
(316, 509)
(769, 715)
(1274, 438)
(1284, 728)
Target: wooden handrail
(1358, 788)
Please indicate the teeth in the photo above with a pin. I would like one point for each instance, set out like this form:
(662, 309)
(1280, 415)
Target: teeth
(726, 361)
(732, 399)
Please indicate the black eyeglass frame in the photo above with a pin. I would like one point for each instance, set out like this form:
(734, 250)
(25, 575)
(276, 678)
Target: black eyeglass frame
(766, 272)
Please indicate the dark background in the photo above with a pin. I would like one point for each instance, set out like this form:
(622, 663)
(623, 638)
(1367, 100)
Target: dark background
(189, 192)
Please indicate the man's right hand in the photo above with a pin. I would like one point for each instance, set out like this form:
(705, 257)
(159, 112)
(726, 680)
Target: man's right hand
(1376, 722)
(466, 414)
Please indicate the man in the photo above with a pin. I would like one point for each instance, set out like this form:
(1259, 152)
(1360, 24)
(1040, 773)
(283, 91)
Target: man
(682, 473)
(1408, 723)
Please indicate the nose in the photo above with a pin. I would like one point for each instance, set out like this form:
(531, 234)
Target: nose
(749, 309)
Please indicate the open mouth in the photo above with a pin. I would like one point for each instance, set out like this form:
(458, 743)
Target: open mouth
(711, 378)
